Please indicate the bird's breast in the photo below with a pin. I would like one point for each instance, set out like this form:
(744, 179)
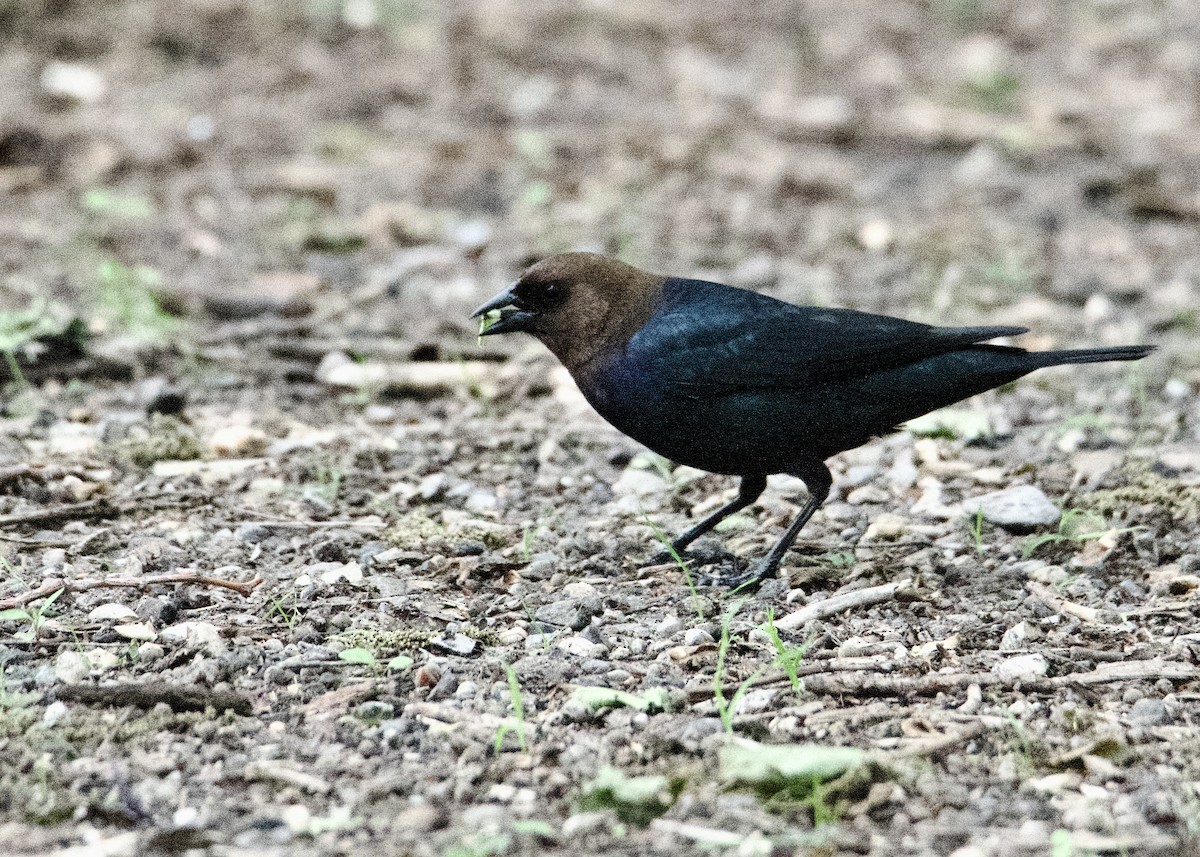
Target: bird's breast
(642, 402)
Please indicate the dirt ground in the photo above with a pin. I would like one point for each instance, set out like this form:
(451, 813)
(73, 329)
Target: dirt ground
(290, 564)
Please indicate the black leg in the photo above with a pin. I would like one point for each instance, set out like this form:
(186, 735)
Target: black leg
(749, 491)
(818, 481)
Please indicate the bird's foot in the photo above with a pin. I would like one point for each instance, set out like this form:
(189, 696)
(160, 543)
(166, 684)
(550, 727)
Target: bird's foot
(746, 581)
(702, 552)
(665, 556)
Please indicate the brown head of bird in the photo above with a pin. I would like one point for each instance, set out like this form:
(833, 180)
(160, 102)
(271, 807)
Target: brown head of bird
(577, 304)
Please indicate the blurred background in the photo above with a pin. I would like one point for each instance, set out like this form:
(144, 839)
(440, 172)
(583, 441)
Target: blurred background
(383, 164)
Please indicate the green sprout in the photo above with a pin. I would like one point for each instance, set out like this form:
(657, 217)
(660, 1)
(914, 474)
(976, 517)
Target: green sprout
(34, 617)
(788, 658)
(1076, 526)
(977, 531)
(518, 707)
(665, 541)
(726, 708)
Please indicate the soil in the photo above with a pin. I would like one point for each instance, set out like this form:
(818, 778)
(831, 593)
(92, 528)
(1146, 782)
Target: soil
(292, 565)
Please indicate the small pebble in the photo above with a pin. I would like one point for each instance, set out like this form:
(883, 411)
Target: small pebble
(583, 822)
(582, 647)
(867, 494)
(1019, 636)
(887, 525)
(1022, 667)
(375, 709)
(511, 636)
(1148, 712)
(110, 611)
(150, 652)
(1021, 507)
(55, 713)
(136, 631)
(668, 626)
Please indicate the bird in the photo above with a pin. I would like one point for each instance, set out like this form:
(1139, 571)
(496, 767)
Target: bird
(736, 382)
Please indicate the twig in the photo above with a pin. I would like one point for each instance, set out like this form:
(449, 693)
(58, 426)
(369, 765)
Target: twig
(37, 543)
(102, 507)
(1059, 604)
(338, 700)
(13, 472)
(877, 685)
(1151, 670)
(239, 331)
(49, 587)
(1184, 608)
(874, 664)
(282, 523)
(257, 328)
(860, 546)
(151, 694)
(1082, 653)
(939, 745)
(414, 376)
(841, 603)
(99, 508)
(709, 836)
(450, 714)
(931, 685)
(84, 368)
(272, 771)
(315, 348)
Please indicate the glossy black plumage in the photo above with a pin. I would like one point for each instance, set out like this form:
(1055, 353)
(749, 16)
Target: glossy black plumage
(735, 382)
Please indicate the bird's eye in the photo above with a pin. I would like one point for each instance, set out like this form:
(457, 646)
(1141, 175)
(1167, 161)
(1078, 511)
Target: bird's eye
(551, 293)
(542, 296)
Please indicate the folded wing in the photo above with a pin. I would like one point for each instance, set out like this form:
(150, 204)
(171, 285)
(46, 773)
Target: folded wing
(711, 339)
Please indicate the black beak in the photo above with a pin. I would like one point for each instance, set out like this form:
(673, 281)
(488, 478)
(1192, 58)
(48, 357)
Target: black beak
(511, 319)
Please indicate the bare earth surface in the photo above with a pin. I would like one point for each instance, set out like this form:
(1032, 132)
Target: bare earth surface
(290, 565)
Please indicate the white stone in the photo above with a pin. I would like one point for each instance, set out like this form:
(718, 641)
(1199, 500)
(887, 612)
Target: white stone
(502, 792)
(481, 501)
(351, 572)
(136, 631)
(668, 626)
(150, 652)
(867, 494)
(196, 635)
(583, 822)
(70, 667)
(639, 483)
(1023, 506)
(101, 660)
(110, 612)
(697, 637)
(510, 636)
(582, 647)
(1022, 667)
(875, 235)
(1019, 636)
(432, 485)
(1176, 390)
(74, 81)
(55, 713)
(886, 526)
(238, 441)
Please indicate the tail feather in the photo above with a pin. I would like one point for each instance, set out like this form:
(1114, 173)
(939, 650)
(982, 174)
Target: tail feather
(1092, 355)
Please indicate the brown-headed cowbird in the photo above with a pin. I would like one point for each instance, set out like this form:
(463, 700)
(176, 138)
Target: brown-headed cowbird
(731, 381)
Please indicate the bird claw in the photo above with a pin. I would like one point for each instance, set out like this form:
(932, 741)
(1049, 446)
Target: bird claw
(664, 556)
(746, 580)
